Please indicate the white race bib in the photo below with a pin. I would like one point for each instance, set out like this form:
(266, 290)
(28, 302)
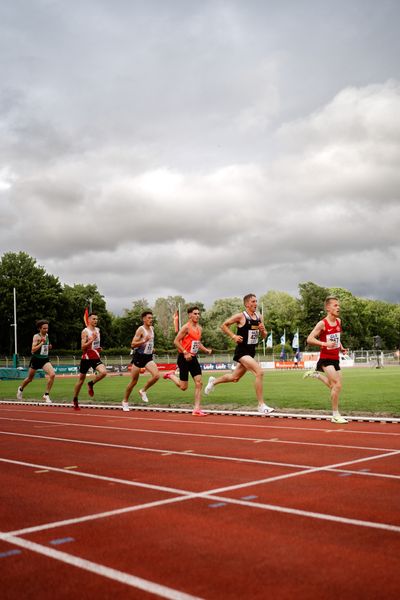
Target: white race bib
(44, 349)
(252, 337)
(194, 348)
(333, 337)
(148, 349)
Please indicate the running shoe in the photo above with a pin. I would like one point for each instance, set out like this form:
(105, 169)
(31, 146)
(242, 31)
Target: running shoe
(125, 406)
(90, 389)
(143, 396)
(339, 420)
(76, 405)
(46, 398)
(210, 386)
(265, 409)
(168, 375)
(199, 413)
(311, 373)
(19, 394)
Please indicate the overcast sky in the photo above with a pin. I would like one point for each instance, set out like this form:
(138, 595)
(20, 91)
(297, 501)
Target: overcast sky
(203, 148)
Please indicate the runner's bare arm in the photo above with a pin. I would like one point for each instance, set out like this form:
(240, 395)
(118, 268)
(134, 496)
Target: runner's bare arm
(314, 335)
(226, 327)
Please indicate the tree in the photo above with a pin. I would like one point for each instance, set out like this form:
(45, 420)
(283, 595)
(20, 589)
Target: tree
(213, 319)
(38, 297)
(311, 301)
(282, 313)
(164, 310)
(74, 300)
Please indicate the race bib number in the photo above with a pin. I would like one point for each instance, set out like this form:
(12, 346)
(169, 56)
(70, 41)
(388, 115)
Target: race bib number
(96, 343)
(333, 337)
(44, 350)
(148, 349)
(194, 348)
(252, 337)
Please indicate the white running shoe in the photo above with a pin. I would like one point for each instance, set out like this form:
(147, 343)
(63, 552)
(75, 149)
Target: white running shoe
(19, 394)
(46, 398)
(143, 396)
(265, 409)
(125, 406)
(339, 420)
(311, 373)
(210, 386)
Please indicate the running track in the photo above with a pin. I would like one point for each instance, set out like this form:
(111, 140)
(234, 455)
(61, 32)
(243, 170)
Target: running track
(106, 504)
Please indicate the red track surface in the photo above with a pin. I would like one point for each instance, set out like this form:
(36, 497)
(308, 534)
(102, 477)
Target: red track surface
(102, 504)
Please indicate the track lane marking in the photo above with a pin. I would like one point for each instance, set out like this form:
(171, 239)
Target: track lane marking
(213, 495)
(204, 435)
(218, 423)
(163, 452)
(115, 575)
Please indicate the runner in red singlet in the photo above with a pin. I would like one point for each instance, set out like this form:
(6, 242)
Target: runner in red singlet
(90, 344)
(188, 342)
(326, 334)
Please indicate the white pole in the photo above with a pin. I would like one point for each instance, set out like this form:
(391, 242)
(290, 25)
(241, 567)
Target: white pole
(15, 323)
(262, 314)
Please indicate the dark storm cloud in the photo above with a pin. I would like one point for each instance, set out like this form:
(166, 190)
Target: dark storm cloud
(190, 148)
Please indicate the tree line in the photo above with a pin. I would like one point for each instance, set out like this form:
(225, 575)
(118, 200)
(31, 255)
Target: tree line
(41, 295)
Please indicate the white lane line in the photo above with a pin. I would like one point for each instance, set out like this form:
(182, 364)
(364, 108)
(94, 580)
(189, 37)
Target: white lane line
(201, 435)
(306, 513)
(97, 516)
(303, 472)
(164, 452)
(213, 495)
(86, 565)
(158, 488)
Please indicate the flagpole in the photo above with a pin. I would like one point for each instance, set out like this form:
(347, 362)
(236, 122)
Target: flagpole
(262, 314)
(15, 357)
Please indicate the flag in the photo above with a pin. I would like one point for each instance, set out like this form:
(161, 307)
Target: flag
(283, 338)
(176, 321)
(295, 343)
(269, 341)
(86, 316)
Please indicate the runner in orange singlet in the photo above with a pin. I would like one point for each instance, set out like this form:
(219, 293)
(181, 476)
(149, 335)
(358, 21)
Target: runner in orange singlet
(188, 342)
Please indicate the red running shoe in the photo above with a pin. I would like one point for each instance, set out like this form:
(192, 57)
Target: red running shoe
(76, 405)
(168, 375)
(90, 389)
(199, 413)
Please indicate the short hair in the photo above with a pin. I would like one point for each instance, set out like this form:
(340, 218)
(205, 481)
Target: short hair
(40, 323)
(192, 309)
(145, 313)
(247, 298)
(329, 299)
(92, 314)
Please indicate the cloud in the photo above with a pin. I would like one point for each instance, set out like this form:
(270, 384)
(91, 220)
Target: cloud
(158, 153)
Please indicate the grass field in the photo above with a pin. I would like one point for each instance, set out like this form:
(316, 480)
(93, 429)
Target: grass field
(365, 391)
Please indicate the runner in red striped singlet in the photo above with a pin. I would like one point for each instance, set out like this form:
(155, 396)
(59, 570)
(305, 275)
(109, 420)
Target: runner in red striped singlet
(326, 335)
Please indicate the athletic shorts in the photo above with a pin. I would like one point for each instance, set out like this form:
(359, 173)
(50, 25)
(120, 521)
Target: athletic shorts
(188, 366)
(240, 352)
(326, 362)
(87, 363)
(141, 360)
(38, 363)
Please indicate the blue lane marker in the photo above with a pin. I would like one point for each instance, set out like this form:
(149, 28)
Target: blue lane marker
(345, 474)
(217, 504)
(62, 541)
(10, 553)
(248, 497)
